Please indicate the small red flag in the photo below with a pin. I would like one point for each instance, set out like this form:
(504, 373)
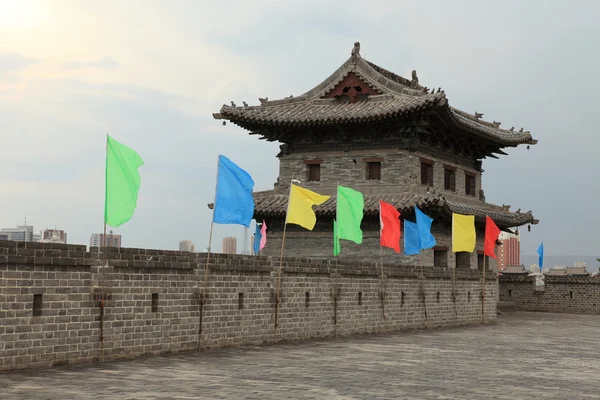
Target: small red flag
(390, 226)
(491, 236)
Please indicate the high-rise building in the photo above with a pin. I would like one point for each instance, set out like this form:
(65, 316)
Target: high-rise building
(53, 236)
(509, 253)
(187, 245)
(22, 233)
(112, 240)
(230, 245)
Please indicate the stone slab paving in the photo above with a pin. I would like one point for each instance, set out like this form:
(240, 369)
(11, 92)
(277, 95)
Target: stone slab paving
(523, 356)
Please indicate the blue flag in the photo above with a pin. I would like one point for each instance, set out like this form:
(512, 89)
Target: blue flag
(427, 241)
(234, 203)
(257, 237)
(411, 239)
(540, 252)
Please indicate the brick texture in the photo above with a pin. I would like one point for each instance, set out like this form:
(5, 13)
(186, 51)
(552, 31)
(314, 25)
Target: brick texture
(240, 305)
(397, 166)
(568, 294)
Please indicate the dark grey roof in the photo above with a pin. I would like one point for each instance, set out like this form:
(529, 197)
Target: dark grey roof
(398, 97)
(268, 203)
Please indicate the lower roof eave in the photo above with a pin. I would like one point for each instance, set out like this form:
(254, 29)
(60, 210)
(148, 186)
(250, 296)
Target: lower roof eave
(271, 205)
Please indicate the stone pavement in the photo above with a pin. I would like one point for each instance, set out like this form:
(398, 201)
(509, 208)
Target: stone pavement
(523, 356)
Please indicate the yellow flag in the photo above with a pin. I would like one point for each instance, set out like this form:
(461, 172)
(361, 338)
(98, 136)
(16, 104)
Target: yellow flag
(463, 233)
(300, 205)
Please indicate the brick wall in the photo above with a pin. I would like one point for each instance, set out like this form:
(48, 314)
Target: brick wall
(51, 298)
(568, 294)
(319, 244)
(397, 166)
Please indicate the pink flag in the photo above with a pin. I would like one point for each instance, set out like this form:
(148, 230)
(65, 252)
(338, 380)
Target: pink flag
(263, 235)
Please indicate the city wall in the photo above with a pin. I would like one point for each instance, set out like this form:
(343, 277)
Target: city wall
(61, 304)
(568, 294)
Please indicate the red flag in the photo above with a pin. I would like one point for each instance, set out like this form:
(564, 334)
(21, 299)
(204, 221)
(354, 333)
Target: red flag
(491, 236)
(390, 226)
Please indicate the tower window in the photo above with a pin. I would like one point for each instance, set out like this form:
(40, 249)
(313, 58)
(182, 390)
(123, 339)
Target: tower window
(469, 184)
(374, 170)
(450, 178)
(314, 172)
(426, 172)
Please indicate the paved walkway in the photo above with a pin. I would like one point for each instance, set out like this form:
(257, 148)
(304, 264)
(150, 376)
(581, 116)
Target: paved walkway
(523, 356)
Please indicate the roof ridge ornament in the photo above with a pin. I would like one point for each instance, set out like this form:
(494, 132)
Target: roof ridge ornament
(355, 54)
(415, 78)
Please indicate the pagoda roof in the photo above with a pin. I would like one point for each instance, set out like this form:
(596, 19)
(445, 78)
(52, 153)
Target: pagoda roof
(269, 203)
(386, 96)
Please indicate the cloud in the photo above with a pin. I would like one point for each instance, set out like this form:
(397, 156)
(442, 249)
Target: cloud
(105, 62)
(54, 171)
(532, 69)
(11, 63)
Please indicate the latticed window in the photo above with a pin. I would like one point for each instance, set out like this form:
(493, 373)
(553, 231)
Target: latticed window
(374, 170)
(469, 184)
(314, 172)
(427, 172)
(449, 179)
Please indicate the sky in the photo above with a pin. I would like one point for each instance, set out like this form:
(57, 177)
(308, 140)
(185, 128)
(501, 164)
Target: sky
(150, 73)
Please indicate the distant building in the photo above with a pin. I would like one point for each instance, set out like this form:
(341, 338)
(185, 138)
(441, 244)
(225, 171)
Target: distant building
(187, 245)
(577, 271)
(230, 245)
(579, 264)
(53, 236)
(22, 233)
(509, 253)
(4, 236)
(515, 269)
(112, 240)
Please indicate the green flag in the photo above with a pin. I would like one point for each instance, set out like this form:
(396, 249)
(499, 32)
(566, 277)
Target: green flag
(350, 206)
(336, 240)
(122, 182)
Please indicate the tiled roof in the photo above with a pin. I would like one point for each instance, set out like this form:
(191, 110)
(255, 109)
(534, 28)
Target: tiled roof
(515, 269)
(399, 97)
(330, 111)
(268, 203)
(570, 271)
(557, 272)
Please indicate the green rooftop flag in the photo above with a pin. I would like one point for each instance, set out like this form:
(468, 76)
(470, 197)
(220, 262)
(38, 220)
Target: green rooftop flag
(350, 206)
(122, 182)
(336, 240)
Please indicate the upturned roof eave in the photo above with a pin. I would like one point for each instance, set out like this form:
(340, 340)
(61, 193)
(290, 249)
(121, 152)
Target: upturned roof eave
(275, 205)
(374, 76)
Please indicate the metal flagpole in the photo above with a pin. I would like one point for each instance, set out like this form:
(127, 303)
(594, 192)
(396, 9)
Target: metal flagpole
(212, 223)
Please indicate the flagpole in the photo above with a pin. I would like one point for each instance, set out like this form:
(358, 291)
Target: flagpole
(483, 293)
(454, 290)
(105, 194)
(210, 235)
(102, 296)
(277, 297)
(381, 258)
(423, 291)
